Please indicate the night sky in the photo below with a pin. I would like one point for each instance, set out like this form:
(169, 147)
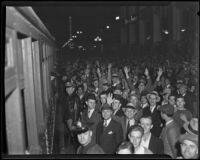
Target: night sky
(89, 19)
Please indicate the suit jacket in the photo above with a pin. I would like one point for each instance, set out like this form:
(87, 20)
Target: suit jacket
(95, 118)
(169, 135)
(157, 121)
(156, 145)
(109, 137)
(125, 131)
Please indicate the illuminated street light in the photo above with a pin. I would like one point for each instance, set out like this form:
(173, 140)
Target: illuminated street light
(107, 27)
(183, 30)
(165, 31)
(77, 32)
(117, 18)
(81, 32)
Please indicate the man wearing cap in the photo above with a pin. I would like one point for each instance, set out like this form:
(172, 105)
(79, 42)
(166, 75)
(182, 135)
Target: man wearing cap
(153, 99)
(71, 112)
(170, 132)
(116, 106)
(88, 145)
(109, 132)
(129, 119)
(91, 114)
(189, 140)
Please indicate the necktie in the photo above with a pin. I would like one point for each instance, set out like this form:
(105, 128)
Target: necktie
(88, 113)
(128, 125)
(105, 124)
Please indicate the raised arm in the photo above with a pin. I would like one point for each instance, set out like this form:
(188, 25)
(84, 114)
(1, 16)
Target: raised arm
(109, 73)
(128, 79)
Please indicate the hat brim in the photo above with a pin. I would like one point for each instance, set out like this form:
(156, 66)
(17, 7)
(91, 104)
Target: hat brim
(185, 126)
(107, 109)
(131, 107)
(157, 97)
(187, 136)
(79, 131)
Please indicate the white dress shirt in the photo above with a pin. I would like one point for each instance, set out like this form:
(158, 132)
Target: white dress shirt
(107, 122)
(90, 112)
(145, 143)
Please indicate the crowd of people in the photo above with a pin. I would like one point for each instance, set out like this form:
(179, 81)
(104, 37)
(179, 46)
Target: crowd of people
(131, 106)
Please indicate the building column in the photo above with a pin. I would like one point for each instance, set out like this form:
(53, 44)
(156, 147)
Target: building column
(176, 21)
(141, 32)
(132, 26)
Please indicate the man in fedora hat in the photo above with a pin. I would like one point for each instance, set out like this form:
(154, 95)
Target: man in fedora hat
(129, 119)
(152, 109)
(170, 132)
(91, 114)
(88, 145)
(109, 132)
(189, 146)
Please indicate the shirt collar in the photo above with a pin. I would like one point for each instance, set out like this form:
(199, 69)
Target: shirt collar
(169, 122)
(108, 121)
(152, 108)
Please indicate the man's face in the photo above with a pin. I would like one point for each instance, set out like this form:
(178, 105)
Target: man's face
(91, 103)
(172, 100)
(182, 89)
(117, 91)
(146, 123)
(96, 83)
(141, 86)
(103, 98)
(143, 99)
(69, 90)
(152, 100)
(116, 104)
(189, 149)
(129, 113)
(80, 91)
(85, 138)
(106, 114)
(115, 80)
(135, 138)
(134, 100)
(105, 87)
(125, 94)
(180, 102)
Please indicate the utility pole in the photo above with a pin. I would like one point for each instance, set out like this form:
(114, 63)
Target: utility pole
(70, 27)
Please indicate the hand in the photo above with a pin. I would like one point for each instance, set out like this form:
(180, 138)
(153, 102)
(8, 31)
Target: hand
(160, 71)
(110, 98)
(109, 65)
(146, 72)
(97, 63)
(126, 69)
(98, 71)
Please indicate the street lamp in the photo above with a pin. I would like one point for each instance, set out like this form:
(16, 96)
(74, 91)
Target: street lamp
(117, 18)
(107, 27)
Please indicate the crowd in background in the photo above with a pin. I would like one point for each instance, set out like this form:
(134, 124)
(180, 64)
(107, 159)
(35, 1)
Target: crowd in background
(135, 105)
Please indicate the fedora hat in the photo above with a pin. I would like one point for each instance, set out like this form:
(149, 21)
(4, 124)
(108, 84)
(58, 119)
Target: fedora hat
(154, 93)
(192, 126)
(190, 137)
(106, 106)
(130, 105)
(69, 84)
